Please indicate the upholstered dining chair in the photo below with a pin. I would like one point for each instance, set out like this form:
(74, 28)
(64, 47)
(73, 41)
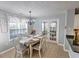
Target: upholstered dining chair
(20, 49)
(38, 46)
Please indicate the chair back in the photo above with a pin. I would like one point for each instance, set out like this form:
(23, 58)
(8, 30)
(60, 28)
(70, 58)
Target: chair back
(17, 44)
(45, 38)
(41, 41)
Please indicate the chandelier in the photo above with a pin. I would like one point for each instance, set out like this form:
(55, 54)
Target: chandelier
(30, 19)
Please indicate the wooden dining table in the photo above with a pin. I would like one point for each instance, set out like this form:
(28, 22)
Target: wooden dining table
(29, 42)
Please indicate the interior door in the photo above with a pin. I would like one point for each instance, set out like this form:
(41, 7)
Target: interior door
(53, 30)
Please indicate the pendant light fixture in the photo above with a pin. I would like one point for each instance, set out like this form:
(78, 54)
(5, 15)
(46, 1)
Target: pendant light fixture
(30, 19)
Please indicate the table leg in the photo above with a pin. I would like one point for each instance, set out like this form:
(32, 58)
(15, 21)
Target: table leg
(30, 50)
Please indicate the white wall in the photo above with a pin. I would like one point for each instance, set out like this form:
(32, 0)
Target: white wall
(70, 21)
(4, 33)
(38, 26)
(76, 21)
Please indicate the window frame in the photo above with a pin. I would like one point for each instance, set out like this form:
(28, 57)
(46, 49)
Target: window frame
(11, 39)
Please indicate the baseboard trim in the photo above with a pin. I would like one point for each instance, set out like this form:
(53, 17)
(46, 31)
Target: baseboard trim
(60, 44)
(7, 50)
(69, 54)
(63, 47)
(65, 50)
(51, 41)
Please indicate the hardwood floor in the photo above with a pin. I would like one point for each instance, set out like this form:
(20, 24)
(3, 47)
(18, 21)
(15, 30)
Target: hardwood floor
(52, 51)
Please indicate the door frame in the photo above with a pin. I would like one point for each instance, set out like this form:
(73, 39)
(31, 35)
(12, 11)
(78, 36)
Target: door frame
(57, 32)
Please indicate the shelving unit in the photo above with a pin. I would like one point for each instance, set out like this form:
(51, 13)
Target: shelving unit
(53, 32)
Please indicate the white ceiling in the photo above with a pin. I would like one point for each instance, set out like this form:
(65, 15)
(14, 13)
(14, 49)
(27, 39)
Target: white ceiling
(39, 9)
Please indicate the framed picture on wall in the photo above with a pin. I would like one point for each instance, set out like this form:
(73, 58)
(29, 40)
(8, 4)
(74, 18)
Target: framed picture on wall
(3, 25)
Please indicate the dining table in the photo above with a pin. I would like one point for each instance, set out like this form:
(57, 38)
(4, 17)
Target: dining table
(29, 41)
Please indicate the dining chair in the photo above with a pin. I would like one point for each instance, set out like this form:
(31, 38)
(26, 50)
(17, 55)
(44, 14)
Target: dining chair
(45, 43)
(38, 46)
(20, 49)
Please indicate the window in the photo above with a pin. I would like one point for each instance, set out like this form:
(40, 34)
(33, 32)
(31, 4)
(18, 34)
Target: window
(44, 27)
(53, 24)
(17, 27)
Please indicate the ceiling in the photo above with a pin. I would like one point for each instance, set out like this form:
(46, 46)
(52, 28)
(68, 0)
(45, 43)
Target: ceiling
(38, 8)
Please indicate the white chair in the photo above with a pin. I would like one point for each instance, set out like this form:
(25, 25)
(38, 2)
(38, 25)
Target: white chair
(20, 49)
(38, 46)
(45, 43)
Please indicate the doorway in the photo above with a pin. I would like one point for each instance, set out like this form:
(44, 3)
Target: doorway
(53, 30)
